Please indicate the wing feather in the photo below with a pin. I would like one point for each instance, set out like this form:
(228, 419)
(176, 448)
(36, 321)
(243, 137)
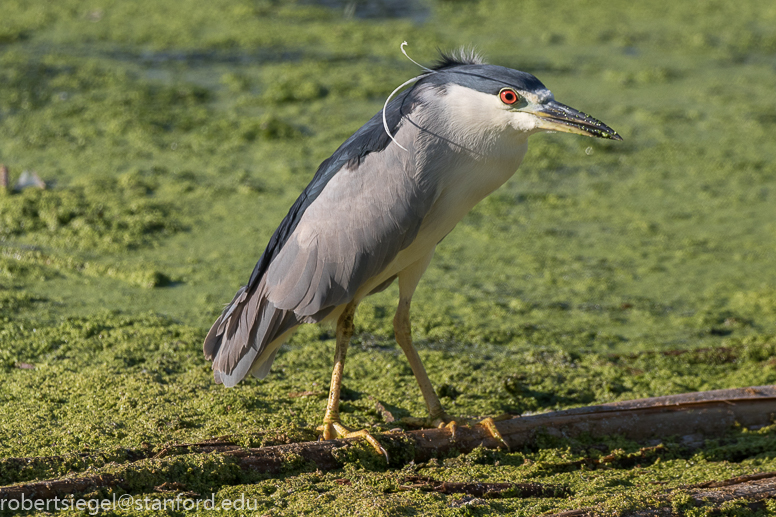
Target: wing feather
(354, 229)
(359, 211)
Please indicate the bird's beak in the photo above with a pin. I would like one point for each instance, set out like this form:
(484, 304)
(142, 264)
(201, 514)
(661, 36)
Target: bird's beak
(554, 116)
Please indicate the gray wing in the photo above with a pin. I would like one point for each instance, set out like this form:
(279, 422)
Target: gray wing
(353, 230)
(242, 332)
(359, 221)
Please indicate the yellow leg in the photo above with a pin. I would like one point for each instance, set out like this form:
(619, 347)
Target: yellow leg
(332, 428)
(408, 281)
(403, 331)
(437, 415)
(344, 333)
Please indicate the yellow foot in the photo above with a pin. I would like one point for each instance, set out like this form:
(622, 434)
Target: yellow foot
(429, 422)
(333, 430)
(490, 425)
(442, 421)
(449, 422)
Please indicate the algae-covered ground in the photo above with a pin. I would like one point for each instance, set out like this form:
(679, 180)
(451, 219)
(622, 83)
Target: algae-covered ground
(174, 135)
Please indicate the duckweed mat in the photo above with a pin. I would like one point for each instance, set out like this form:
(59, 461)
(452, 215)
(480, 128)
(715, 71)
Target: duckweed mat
(172, 138)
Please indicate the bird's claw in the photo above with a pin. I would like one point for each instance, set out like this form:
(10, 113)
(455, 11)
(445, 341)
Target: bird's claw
(452, 425)
(428, 423)
(446, 421)
(334, 430)
(490, 425)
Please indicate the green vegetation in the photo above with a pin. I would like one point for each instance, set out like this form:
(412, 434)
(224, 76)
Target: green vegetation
(173, 137)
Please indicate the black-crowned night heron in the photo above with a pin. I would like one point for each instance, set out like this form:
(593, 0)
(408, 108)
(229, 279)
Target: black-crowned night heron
(376, 209)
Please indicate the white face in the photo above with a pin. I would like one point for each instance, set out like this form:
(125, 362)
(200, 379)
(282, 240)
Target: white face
(486, 119)
(480, 121)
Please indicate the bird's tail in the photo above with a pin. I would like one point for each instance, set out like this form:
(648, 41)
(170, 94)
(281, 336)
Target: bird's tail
(239, 341)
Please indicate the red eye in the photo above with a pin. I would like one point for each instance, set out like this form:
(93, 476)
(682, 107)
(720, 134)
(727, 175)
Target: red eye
(508, 96)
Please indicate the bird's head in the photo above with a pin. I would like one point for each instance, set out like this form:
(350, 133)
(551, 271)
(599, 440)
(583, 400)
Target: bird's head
(477, 98)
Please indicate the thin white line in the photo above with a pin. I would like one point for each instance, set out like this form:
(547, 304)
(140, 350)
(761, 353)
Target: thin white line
(385, 107)
(402, 85)
(408, 57)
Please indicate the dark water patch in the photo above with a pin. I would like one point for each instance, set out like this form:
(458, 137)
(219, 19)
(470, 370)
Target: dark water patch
(417, 11)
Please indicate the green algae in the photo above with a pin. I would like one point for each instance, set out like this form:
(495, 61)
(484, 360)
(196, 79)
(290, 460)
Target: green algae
(617, 486)
(16, 470)
(174, 136)
(68, 219)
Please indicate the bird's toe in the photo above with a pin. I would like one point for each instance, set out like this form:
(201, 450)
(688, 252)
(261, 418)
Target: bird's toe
(334, 430)
(490, 424)
(430, 422)
(448, 422)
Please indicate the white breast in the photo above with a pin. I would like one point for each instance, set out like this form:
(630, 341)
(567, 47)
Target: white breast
(477, 150)
(467, 146)
(453, 203)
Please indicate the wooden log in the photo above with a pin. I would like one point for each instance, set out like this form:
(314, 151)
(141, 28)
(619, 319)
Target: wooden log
(708, 414)
(59, 487)
(753, 490)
